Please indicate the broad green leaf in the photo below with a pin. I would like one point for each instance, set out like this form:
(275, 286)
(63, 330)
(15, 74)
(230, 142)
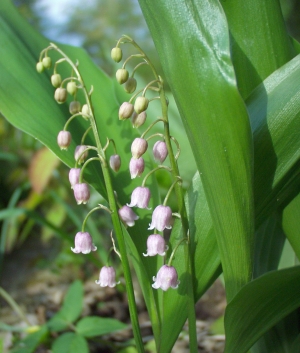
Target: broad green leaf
(70, 342)
(274, 108)
(192, 41)
(259, 40)
(263, 302)
(96, 326)
(70, 310)
(31, 342)
(291, 224)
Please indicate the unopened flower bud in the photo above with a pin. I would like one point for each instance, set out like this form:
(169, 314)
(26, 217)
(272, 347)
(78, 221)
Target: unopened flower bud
(60, 95)
(83, 243)
(160, 151)
(156, 245)
(138, 147)
(122, 76)
(166, 277)
(140, 197)
(85, 110)
(161, 218)
(64, 139)
(40, 67)
(125, 111)
(74, 107)
(74, 175)
(141, 104)
(47, 62)
(136, 167)
(107, 277)
(127, 216)
(81, 193)
(79, 154)
(56, 80)
(138, 119)
(130, 85)
(115, 162)
(72, 88)
(116, 54)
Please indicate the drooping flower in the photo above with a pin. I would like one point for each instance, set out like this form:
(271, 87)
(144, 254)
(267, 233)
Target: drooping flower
(74, 175)
(140, 197)
(81, 193)
(156, 245)
(115, 162)
(160, 151)
(64, 139)
(141, 104)
(166, 277)
(83, 243)
(138, 147)
(107, 277)
(74, 107)
(80, 153)
(136, 167)
(127, 216)
(60, 95)
(161, 218)
(138, 119)
(125, 111)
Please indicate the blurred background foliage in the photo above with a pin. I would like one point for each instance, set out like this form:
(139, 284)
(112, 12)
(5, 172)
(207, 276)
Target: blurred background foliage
(96, 26)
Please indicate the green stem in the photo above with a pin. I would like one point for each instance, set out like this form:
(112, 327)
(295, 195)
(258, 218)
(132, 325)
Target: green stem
(114, 215)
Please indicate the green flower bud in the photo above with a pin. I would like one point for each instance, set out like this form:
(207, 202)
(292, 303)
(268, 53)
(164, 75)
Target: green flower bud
(40, 67)
(122, 76)
(72, 88)
(47, 62)
(138, 119)
(141, 104)
(74, 107)
(130, 85)
(56, 80)
(60, 95)
(85, 110)
(116, 54)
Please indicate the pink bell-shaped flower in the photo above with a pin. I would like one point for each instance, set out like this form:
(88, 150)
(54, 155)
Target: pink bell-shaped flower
(64, 139)
(107, 277)
(160, 151)
(81, 193)
(138, 147)
(115, 162)
(83, 243)
(125, 111)
(156, 245)
(136, 167)
(140, 197)
(80, 154)
(127, 216)
(74, 175)
(161, 218)
(166, 277)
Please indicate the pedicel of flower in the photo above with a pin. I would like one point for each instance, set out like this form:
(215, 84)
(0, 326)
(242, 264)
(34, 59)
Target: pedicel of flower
(107, 277)
(156, 245)
(74, 175)
(140, 197)
(161, 218)
(166, 278)
(81, 193)
(64, 139)
(127, 216)
(136, 167)
(160, 151)
(83, 243)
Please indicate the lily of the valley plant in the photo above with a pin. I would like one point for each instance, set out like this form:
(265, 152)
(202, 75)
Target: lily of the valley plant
(234, 73)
